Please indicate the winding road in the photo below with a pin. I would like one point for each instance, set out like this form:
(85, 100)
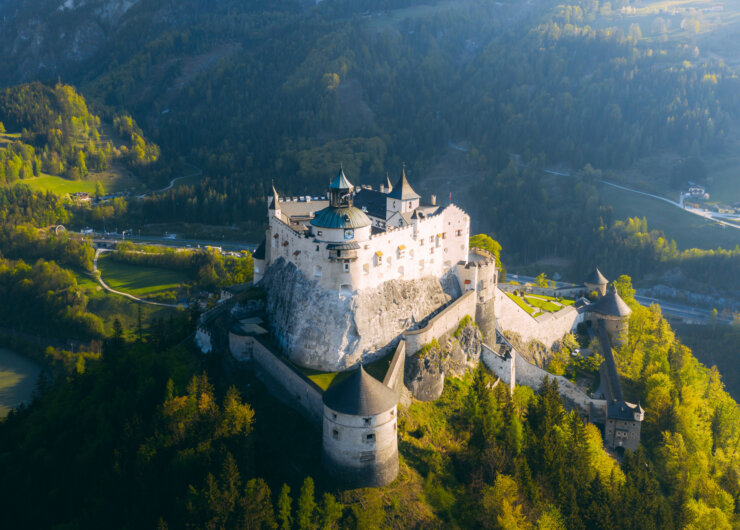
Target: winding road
(701, 213)
(198, 172)
(111, 290)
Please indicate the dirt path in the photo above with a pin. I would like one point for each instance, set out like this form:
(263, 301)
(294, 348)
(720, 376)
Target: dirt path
(111, 290)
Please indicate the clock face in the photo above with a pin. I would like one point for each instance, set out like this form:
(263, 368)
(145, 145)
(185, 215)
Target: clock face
(349, 234)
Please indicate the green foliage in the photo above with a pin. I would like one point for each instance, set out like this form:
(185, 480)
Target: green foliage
(208, 267)
(305, 512)
(61, 136)
(465, 322)
(428, 347)
(47, 299)
(284, 507)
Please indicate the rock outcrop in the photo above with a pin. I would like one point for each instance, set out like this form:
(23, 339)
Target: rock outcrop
(329, 330)
(425, 372)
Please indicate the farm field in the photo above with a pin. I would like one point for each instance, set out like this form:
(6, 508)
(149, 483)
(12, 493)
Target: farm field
(144, 282)
(687, 229)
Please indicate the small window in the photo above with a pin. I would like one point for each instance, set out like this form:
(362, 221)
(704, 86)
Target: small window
(335, 434)
(370, 438)
(333, 416)
(368, 421)
(346, 267)
(319, 233)
(317, 248)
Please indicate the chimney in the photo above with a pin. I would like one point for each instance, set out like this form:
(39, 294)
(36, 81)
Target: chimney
(434, 200)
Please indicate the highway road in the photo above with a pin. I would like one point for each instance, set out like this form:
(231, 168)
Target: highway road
(235, 246)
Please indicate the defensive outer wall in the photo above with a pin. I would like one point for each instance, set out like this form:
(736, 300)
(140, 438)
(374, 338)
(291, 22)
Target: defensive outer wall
(513, 365)
(448, 319)
(547, 328)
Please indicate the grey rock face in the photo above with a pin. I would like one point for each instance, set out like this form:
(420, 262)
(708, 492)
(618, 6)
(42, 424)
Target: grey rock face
(329, 331)
(425, 374)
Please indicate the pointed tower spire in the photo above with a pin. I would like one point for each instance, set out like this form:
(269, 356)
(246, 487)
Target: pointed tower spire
(275, 205)
(388, 185)
(403, 190)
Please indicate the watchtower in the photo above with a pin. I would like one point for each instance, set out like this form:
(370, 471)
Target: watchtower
(360, 440)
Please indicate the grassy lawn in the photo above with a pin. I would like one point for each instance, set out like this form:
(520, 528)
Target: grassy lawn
(140, 281)
(544, 305)
(687, 229)
(521, 303)
(324, 380)
(111, 180)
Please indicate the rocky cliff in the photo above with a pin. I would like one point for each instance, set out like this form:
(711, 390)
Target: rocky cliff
(425, 372)
(328, 330)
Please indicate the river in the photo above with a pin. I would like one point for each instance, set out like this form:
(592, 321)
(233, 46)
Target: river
(18, 376)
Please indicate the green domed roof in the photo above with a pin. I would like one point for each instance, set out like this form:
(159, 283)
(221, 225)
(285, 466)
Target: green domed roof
(342, 217)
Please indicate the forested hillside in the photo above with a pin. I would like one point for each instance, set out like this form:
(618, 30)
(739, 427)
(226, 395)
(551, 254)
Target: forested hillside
(53, 132)
(192, 446)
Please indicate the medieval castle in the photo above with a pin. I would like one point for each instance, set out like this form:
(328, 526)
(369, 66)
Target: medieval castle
(363, 274)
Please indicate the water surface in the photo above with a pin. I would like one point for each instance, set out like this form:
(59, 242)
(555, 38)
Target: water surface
(18, 376)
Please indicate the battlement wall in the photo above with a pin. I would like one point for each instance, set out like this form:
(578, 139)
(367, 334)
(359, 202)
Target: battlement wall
(282, 380)
(547, 328)
(444, 322)
(527, 374)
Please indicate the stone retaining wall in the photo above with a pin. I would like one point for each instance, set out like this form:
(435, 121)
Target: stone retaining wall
(547, 328)
(282, 380)
(532, 376)
(446, 321)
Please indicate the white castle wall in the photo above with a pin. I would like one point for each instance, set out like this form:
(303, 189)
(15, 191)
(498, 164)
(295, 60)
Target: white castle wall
(282, 381)
(447, 320)
(532, 376)
(433, 245)
(394, 376)
(348, 453)
(547, 328)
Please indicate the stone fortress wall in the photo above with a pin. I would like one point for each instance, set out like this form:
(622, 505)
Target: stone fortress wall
(282, 380)
(547, 328)
(527, 374)
(447, 320)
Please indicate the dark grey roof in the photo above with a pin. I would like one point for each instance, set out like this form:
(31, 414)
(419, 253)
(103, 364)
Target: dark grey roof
(343, 246)
(613, 386)
(344, 217)
(259, 253)
(403, 190)
(611, 304)
(621, 410)
(341, 182)
(373, 201)
(360, 394)
(596, 278)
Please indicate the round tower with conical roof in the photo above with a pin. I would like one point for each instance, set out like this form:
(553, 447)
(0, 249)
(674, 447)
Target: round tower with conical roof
(360, 439)
(596, 282)
(616, 316)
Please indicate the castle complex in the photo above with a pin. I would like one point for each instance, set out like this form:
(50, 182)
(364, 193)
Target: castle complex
(360, 238)
(363, 274)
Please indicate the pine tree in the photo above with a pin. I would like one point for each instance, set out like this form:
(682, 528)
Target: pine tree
(330, 512)
(306, 505)
(284, 508)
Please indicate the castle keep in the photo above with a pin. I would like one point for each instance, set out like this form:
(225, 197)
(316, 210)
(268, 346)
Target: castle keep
(359, 238)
